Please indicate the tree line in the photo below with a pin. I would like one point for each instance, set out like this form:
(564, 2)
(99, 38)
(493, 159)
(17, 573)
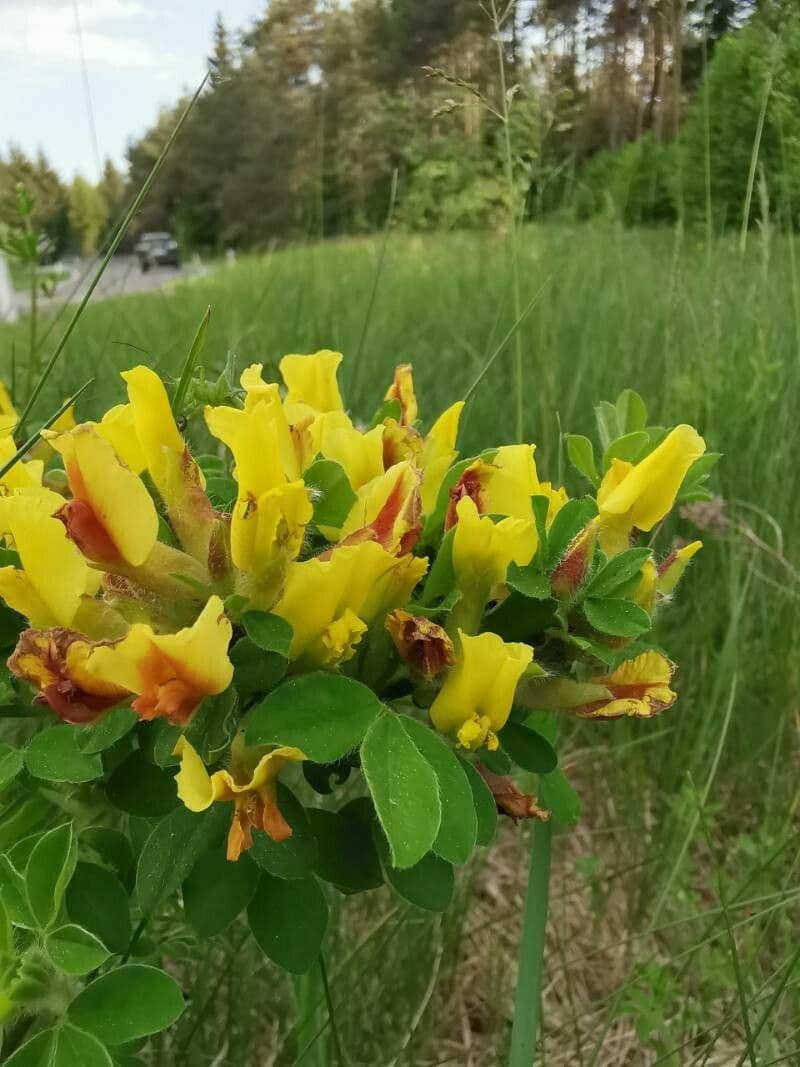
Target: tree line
(652, 110)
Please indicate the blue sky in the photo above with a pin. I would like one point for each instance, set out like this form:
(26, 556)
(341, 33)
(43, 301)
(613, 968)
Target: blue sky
(140, 55)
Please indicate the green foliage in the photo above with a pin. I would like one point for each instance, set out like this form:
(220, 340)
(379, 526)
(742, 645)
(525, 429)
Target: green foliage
(150, 1001)
(404, 788)
(288, 920)
(324, 715)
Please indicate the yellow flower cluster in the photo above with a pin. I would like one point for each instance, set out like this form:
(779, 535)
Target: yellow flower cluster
(125, 580)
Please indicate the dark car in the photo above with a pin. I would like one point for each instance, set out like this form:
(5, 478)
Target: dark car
(157, 250)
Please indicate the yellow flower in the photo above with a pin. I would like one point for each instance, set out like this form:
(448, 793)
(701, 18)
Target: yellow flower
(23, 475)
(475, 701)
(402, 390)
(637, 497)
(330, 602)
(645, 592)
(638, 688)
(65, 421)
(270, 514)
(505, 487)
(360, 454)
(251, 785)
(8, 413)
(111, 516)
(54, 578)
(175, 474)
(118, 427)
(483, 549)
(54, 662)
(311, 387)
(671, 570)
(170, 673)
(387, 511)
(438, 453)
(264, 398)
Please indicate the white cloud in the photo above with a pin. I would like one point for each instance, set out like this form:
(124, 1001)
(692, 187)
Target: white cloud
(46, 29)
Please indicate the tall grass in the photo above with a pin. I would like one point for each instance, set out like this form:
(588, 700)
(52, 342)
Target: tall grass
(640, 962)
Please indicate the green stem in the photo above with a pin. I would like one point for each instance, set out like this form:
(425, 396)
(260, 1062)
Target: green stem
(531, 950)
(513, 219)
(337, 1041)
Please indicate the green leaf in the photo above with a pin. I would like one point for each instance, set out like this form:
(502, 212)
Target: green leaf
(221, 491)
(65, 1047)
(189, 365)
(558, 796)
(38, 1052)
(54, 756)
(529, 581)
(325, 715)
(498, 761)
(111, 846)
(6, 932)
(527, 748)
(96, 901)
(49, 869)
(211, 465)
(608, 427)
(217, 891)
(404, 790)
(75, 950)
(441, 577)
(568, 523)
(458, 829)
(138, 787)
(270, 632)
(288, 920)
(581, 456)
(428, 884)
(157, 739)
(14, 895)
(347, 856)
(297, 856)
(692, 487)
(127, 1003)
(101, 735)
(173, 848)
(11, 763)
(255, 671)
(389, 409)
(619, 618)
(631, 412)
(540, 505)
(519, 618)
(631, 447)
(333, 495)
(213, 725)
(618, 572)
(485, 807)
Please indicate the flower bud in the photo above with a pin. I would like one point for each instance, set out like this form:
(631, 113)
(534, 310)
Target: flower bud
(569, 574)
(423, 644)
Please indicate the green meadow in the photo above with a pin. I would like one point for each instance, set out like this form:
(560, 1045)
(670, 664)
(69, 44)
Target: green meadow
(673, 934)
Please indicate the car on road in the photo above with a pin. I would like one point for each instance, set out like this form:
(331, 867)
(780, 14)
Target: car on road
(157, 250)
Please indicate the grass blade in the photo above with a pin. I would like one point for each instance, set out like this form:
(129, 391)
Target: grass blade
(531, 950)
(32, 440)
(190, 363)
(112, 248)
(378, 271)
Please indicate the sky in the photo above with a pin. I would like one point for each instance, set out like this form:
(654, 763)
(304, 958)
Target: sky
(140, 55)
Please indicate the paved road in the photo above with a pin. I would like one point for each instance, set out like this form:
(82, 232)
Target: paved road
(122, 275)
